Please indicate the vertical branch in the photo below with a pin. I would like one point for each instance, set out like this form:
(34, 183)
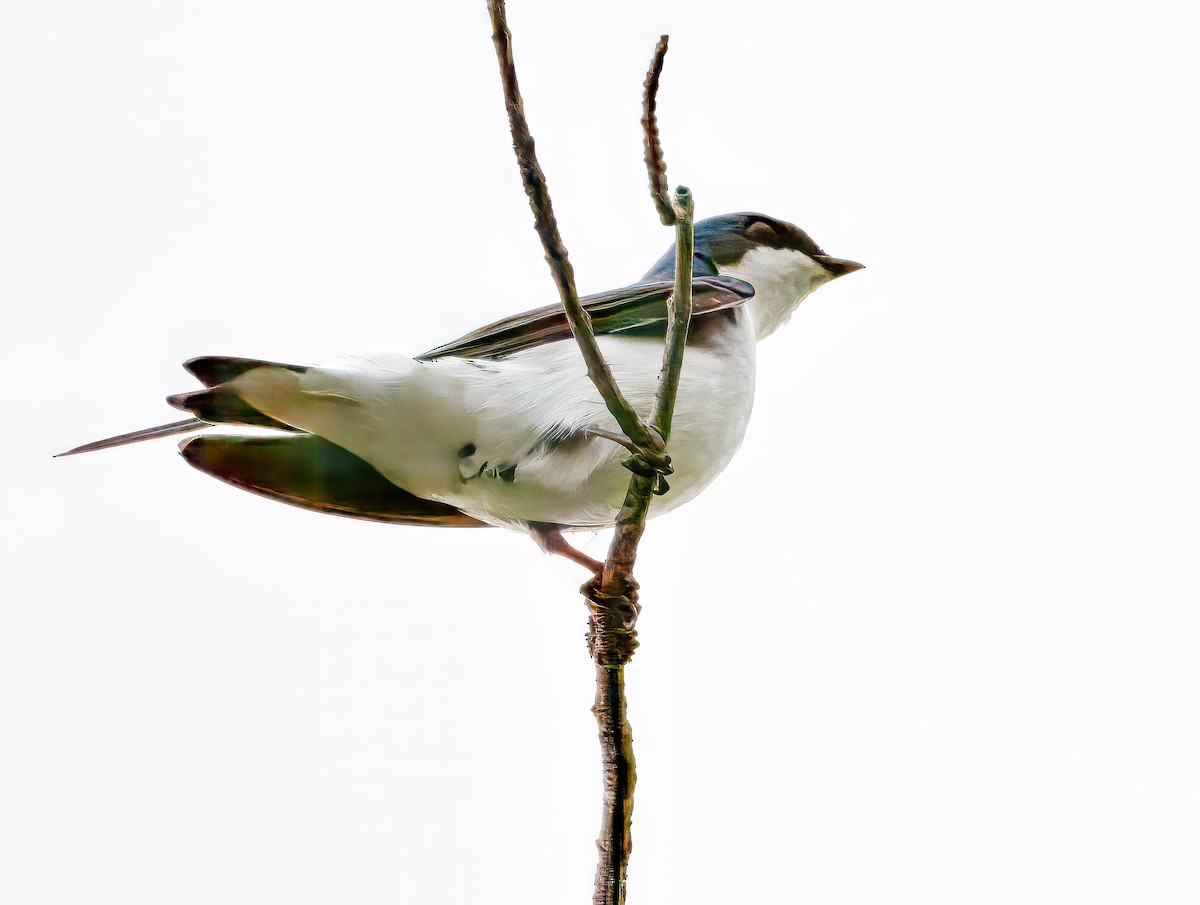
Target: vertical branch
(631, 520)
(612, 595)
(679, 311)
(620, 775)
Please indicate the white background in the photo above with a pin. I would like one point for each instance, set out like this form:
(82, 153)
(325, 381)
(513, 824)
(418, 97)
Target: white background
(932, 638)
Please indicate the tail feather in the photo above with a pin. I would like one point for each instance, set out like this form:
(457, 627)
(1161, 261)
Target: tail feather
(218, 404)
(223, 405)
(151, 433)
(309, 471)
(211, 370)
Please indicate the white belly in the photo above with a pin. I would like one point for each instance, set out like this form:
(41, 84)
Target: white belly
(483, 436)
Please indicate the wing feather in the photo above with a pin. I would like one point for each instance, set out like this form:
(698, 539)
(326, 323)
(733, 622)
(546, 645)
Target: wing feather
(630, 308)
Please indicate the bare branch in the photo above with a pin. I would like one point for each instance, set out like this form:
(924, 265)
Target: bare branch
(619, 439)
(612, 595)
(620, 776)
(617, 577)
(556, 254)
(680, 314)
(656, 166)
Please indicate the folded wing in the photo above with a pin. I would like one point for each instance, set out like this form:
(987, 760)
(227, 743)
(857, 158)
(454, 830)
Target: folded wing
(634, 307)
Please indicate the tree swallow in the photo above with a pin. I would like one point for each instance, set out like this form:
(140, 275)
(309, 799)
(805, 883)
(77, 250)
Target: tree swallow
(503, 426)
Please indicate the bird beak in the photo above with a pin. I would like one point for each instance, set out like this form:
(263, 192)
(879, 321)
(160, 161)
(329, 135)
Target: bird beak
(839, 267)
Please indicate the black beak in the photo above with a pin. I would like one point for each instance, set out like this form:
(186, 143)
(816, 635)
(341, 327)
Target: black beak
(839, 267)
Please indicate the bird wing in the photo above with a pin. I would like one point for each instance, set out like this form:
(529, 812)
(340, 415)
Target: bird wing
(633, 307)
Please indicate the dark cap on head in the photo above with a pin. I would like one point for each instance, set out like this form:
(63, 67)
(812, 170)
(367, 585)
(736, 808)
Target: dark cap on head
(723, 241)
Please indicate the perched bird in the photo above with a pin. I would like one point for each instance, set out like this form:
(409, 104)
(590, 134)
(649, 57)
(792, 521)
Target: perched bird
(503, 426)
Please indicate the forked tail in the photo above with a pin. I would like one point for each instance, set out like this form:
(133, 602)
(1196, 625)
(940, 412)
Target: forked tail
(214, 405)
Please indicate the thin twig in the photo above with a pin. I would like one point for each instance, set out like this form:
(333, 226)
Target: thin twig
(631, 520)
(619, 439)
(556, 254)
(656, 166)
(679, 310)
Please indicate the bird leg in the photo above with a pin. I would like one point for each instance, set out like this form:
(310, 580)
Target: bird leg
(551, 540)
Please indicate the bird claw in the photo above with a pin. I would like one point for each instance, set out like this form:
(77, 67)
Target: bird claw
(650, 465)
(656, 435)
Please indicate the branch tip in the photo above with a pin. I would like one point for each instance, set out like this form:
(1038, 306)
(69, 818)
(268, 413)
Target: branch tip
(656, 165)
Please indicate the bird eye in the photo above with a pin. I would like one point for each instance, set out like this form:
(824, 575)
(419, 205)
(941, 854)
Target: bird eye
(762, 232)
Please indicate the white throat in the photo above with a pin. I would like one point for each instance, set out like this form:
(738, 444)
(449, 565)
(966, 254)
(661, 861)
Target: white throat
(781, 278)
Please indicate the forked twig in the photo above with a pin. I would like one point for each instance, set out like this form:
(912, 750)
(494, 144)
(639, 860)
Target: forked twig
(612, 595)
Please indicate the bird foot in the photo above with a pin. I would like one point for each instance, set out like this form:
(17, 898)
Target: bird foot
(655, 466)
(649, 463)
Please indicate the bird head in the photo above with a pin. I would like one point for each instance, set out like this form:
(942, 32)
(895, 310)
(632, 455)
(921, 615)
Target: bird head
(779, 260)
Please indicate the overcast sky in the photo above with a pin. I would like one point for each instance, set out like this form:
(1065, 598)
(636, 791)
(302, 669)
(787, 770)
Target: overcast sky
(932, 637)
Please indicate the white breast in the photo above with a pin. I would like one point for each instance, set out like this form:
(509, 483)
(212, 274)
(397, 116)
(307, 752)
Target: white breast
(481, 435)
(781, 278)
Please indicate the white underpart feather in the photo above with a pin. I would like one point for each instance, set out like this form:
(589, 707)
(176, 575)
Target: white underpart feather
(781, 278)
(503, 440)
